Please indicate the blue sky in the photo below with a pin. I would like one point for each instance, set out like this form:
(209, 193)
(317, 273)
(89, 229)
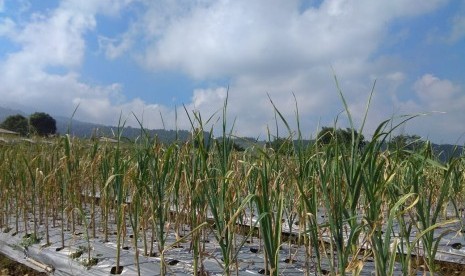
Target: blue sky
(149, 57)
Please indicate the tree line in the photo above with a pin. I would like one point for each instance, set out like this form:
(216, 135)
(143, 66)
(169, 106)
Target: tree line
(402, 143)
(38, 123)
(43, 124)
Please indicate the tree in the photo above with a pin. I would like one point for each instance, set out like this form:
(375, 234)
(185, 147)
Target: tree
(406, 142)
(42, 124)
(281, 145)
(230, 144)
(17, 123)
(328, 135)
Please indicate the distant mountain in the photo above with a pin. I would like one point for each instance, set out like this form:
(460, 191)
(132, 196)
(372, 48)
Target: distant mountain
(5, 112)
(87, 130)
(446, 151)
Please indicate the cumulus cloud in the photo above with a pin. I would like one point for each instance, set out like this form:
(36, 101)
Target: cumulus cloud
(47, 40)
(458, 29)
(279, 49)
(436, 92)
(442, 101)
(113, 47)
(273, 49)
(55, 40)
(240, 37)
(7, 27)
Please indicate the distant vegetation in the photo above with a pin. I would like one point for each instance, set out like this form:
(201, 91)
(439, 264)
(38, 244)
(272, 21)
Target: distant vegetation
(17, 121)
(329, 135)
(39, 123)
(42, 124)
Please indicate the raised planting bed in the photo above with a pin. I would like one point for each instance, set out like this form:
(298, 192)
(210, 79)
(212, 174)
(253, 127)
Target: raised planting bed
(294, 256)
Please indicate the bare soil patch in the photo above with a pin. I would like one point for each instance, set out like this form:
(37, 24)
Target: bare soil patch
(10, 267)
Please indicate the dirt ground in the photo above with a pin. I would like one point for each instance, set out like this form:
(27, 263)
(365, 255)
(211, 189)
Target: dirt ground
(10, 267)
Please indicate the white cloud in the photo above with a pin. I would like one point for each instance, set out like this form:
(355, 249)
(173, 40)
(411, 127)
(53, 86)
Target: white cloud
(443, 101)
(262, 47)
(436, 92)
(458, 29)
(55, 39)
(241, 37)
(205, 96)
(7, 27)
(276, 48)
(114, 48)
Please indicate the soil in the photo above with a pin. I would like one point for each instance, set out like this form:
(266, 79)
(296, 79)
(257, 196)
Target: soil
(444, 268)
(10, 267)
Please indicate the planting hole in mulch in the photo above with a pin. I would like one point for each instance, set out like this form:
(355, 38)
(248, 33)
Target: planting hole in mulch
(290, 261)
(456, 245)
(173, 262)
(325, 272)
(126, 247)
(7, 229)
(202, 273)
(253, 249)
(263, 272)
(58, 249)
(114, 271)
(422, 268)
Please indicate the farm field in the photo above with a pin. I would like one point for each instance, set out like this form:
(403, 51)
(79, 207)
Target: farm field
(232, 138)
(204, 207)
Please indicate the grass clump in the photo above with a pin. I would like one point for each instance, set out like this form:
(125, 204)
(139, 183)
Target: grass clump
(29, 240)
